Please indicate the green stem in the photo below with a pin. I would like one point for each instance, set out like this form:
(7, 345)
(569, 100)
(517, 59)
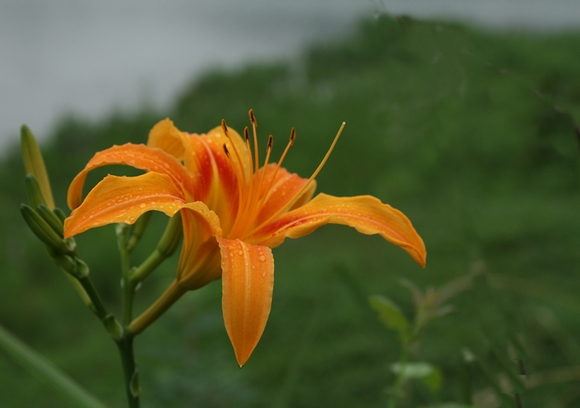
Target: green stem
(168, 298)
(125, 343)
(97, 305)
(132, 388)
(165, 247)
(44, 370)
(128, 286)
(145, 269)
(396, 393)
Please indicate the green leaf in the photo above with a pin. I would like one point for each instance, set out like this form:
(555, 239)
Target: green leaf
(427, 373)
(44, 370)
(418, 297)
(390, 314)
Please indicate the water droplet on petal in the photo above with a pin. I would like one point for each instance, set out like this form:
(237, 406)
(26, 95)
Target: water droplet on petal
(142, 205)
(262, 258)
(240, 253)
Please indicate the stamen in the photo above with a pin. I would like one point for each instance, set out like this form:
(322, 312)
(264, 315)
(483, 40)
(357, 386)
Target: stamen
(225, 128)
(253, 120)
(262, 200)
(321, 165)
(254, 127)
(247, 139)
(253, 183)
(237, 155)
(292, 136)
(288, 146)
(270, 142)
(307, 184)
(242, 182)
(268, 152)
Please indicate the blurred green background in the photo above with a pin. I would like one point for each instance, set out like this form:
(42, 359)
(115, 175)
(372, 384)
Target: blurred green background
(472, 135)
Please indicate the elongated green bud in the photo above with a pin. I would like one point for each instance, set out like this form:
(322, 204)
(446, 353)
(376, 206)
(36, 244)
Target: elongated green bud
(65, 262)
(52, 219)
(80, 291)
(35, 197)
(34, 163)
(60, 214)
(43, 230)
(81, 268)
(70, 264)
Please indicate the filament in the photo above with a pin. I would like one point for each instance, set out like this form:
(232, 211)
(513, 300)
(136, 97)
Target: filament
(307, 184)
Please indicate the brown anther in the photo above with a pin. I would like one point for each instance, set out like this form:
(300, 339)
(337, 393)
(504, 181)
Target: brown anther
(292, 136)
(225, 128)
(253, 118)
(226, 150)
(246, 134)
(270, 141)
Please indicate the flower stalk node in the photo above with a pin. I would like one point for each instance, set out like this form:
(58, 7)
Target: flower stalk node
(113, 327)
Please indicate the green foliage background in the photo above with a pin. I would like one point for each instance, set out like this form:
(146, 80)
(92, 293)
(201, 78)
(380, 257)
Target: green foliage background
(471, 134)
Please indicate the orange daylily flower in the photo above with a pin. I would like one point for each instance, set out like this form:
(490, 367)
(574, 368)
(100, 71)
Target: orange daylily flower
(234, 211)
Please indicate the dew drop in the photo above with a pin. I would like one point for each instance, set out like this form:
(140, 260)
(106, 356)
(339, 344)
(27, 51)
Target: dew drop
(262, 258)
(142, 205)
(240, 253)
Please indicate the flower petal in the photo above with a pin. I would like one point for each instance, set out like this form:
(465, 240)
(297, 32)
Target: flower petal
(200, 258)
(234, 142)
(124, 199)
(281, 191)
(248, 281)
(217, 176)
(165, 136)
(138, 156)
(365, 213)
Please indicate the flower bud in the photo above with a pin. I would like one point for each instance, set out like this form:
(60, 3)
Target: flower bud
(52, 219)
(34, 164)
(35, 197)
(44, 231)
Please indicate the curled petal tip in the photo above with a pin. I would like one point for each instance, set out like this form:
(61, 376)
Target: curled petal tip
(422, 259)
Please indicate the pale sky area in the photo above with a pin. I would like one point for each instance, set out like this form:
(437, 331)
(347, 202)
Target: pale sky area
(91, 58)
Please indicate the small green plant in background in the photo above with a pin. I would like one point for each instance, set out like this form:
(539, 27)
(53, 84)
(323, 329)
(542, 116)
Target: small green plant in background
(429, 306)
(498, 374)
